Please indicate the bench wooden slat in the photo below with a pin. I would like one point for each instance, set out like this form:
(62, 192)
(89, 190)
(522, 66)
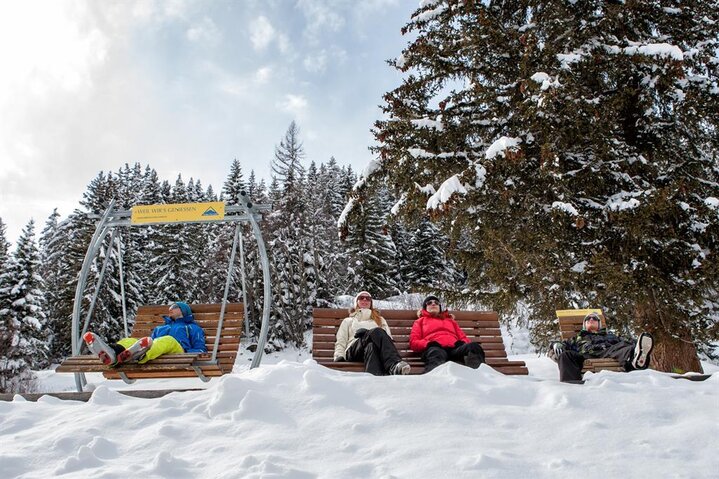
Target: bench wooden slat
(178, 365)
(480, 326)
(143, 374)
(159, 309)
(417, 367)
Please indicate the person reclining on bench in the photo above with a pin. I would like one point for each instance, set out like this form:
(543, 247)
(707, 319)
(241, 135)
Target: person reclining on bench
(365, 336)
(439, 338)
(595, 342)
(180, 334)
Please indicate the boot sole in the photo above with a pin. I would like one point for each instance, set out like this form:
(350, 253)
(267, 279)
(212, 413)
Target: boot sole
(645, 344)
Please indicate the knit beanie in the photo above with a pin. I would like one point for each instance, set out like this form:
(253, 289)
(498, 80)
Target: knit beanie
(363, 293)
(430, 297)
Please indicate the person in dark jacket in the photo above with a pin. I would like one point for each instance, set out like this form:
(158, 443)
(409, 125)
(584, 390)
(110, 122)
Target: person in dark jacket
(436, 335)
(593, 341)
(180, 334)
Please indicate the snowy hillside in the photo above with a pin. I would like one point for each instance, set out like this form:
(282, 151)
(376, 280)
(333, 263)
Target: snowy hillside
(299, 420)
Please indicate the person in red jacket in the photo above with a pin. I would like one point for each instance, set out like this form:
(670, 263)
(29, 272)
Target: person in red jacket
(439, 338)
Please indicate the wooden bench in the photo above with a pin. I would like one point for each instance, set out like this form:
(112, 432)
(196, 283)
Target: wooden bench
(480, 326)
(174, 365)
(571, 322)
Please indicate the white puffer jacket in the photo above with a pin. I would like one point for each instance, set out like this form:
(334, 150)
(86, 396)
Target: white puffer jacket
(360, 319)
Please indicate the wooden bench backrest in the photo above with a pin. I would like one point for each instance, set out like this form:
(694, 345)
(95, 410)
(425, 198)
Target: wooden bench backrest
(479, 326)
(207, 316)
(571, 321)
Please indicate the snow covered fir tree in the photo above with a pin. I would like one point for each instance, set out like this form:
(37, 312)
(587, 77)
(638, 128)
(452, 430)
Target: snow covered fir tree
(23, 331)
(570, 150)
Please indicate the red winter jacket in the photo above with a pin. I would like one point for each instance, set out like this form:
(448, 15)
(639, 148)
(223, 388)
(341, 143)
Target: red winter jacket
(442, 329)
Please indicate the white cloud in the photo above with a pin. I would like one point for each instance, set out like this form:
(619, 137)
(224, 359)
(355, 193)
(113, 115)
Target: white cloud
(205, 31)
(295, 104)
(316, 63)
(321, 17)
(263, 75)
(30, 60)
(261, 33)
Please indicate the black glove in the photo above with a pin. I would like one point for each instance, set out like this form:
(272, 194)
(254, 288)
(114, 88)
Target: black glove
(360, 332)
(433, 344)
(340, 359)
(459, 343)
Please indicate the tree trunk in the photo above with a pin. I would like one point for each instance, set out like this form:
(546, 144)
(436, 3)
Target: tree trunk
(674, 351)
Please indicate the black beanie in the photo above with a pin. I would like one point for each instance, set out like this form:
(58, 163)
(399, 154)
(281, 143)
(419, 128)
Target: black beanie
(431, 296)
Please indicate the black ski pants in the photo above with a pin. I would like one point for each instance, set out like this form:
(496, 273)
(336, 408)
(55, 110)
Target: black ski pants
(469, 354)
(570, 362)
(376, 349)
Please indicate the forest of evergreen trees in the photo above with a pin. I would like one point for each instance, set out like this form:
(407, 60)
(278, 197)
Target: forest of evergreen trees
(309, 263)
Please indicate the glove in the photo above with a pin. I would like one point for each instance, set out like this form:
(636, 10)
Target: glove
(433, 344)
(556, 349)
(458, 343)
(340, 359)
(360, 332)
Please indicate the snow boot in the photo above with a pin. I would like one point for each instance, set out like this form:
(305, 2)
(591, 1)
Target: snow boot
(97, 346)
(401, 368)
(136, 351)
(644, 347)
(472, 360)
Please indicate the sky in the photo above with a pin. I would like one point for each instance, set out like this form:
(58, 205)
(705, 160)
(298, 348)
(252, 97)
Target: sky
(184, 87)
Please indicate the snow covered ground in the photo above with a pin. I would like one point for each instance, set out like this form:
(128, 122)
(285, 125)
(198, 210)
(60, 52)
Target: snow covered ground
(291, 418)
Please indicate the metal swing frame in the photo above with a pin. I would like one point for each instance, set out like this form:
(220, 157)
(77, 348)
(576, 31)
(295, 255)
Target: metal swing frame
(245, 212)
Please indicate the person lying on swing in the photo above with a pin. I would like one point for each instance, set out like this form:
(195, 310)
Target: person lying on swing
(180, 334)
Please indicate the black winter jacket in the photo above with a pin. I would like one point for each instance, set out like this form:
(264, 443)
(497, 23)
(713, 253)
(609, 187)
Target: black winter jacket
(592, 344)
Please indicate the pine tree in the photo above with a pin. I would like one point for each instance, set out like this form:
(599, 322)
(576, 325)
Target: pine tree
(50, 263)
(293, 278)
(15, 370)
(21, 290)
(107, 315)
(372, 253)
(428, 268)
(234, 184)
(174, 266)
(4, 245)
(571, 151)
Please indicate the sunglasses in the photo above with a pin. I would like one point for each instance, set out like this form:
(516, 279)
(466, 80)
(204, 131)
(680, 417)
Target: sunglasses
(433, 301)
(364, 298)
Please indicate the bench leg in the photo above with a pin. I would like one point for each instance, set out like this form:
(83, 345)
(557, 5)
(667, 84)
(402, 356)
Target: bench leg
(200, 374)
(124, 377)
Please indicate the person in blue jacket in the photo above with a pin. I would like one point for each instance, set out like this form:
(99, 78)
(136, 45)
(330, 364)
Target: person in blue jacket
(180, 334)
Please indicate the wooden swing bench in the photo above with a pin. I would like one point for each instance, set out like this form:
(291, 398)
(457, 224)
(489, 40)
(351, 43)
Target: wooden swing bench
(570, 323)
(174, 365)
(479, 326)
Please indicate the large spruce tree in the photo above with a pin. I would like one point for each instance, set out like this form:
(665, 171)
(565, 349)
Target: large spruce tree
(570, 149)
(21, 296)
(291, 256)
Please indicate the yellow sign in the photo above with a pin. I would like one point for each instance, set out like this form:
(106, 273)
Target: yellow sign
(176, 213)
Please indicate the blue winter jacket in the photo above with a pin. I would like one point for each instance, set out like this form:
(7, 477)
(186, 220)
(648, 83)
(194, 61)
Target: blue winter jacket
(185, 330)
